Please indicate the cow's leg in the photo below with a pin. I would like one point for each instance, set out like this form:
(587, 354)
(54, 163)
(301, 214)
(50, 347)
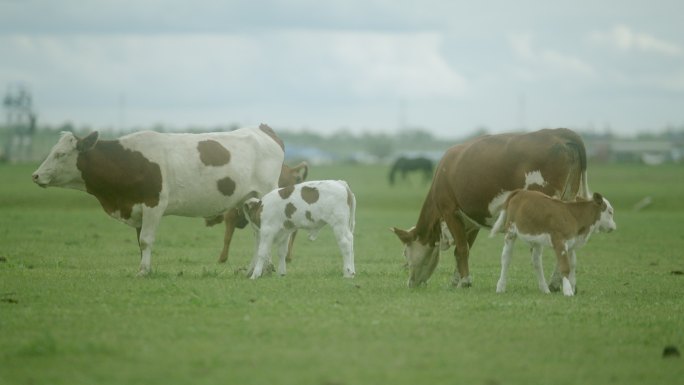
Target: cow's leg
(563, 260)
(539, 267)
(506, 255)
(230, 219)
(573, 267)
(290, 244)
(461, 277)
(150, 221)
(345, 240)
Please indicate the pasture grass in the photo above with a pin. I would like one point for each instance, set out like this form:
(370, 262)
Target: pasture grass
(72, 310)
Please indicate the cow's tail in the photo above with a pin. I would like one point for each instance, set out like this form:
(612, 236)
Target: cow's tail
(351, 200)
(584, 186)
(575, 141)
(498, 225)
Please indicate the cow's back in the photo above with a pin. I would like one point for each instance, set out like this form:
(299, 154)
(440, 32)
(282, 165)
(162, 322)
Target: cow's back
(206, 174)
(479, 174)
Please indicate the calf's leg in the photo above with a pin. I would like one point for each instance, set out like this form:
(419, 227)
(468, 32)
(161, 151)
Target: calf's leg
(283, 247)
(290, 244)
(539, 268)
(345, 240)
(563, 266)
(555, 280)
(506, 254)
(261, 253)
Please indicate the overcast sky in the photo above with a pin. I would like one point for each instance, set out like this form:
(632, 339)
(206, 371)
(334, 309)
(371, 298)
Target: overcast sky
(446, 66)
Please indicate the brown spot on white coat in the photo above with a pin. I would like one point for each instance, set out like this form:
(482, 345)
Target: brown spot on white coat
(212, 153)
(289, 210)
(309, 194)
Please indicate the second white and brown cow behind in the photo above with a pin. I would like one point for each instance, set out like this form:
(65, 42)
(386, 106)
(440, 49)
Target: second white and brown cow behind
(308, 205)
(544, 221)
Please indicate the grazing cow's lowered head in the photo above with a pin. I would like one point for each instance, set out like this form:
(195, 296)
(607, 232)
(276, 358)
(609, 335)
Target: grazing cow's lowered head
(60, 167)
(422, 258)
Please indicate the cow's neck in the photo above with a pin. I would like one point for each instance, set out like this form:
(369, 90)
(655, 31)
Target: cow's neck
(586, 214)
(428, 230)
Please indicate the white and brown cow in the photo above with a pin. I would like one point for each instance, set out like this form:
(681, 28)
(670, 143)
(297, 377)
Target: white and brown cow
(235, 218)
(308, 205)
(544, 221)
(473, 180)
(141, 177)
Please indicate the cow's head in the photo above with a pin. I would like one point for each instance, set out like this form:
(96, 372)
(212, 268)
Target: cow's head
(606, 222)
(59, 168)
(421, 258)
(290, 176)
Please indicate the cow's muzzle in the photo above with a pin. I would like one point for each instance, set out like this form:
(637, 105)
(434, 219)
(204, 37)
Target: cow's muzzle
(36, 180)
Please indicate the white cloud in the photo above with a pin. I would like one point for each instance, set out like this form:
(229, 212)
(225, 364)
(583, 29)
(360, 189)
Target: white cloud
(196, 72)
(624, 38)
(395, 65)
(547, 59)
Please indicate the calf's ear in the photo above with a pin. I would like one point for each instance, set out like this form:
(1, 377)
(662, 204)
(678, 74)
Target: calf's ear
(88, 142)
(598, 198)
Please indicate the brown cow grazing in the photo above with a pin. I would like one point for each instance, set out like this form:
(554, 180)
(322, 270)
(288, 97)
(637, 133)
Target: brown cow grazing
(473, 180)
(289, 176)
(544, 221)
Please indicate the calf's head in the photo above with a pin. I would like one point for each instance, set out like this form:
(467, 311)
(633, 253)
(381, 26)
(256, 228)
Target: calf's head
(421, 258)
(252, 209)
(59, 168)
(606, 222)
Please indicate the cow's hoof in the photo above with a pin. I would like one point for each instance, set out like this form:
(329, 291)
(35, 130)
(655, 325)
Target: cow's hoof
(144, 272)
(555, 287)
(462, 283)
(270, 268)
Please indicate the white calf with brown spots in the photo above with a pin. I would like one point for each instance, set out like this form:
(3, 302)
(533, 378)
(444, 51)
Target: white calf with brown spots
(308, 205)
(544, 221)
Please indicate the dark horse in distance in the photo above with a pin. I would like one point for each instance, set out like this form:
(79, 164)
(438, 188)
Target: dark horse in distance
(405, 165)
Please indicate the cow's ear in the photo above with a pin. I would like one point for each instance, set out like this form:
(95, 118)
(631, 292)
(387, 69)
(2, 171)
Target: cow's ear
(404, 236)
(303, 170)
(88, 142)
(598, 198)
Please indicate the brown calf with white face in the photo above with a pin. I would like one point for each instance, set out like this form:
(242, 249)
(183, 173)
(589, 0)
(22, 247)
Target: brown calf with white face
(543, 221)
(471, 184)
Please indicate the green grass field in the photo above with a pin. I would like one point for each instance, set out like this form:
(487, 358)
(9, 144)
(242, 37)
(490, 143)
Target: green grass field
(72, 310)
